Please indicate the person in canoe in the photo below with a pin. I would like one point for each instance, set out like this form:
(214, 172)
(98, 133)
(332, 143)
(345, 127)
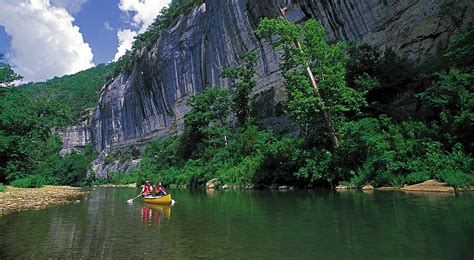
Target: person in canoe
(147, 189)
(160, 190)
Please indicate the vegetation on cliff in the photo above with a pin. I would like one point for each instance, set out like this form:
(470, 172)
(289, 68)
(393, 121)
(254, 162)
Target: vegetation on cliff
(377, 144)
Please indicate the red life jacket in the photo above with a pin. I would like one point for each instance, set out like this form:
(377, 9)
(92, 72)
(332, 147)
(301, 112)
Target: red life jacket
(159, 188)
(147, 188)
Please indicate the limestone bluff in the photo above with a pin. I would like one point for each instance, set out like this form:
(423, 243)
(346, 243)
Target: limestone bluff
(150, 101)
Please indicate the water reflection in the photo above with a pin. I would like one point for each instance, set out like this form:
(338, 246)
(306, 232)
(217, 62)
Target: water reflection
(155, 214)
(246, 224)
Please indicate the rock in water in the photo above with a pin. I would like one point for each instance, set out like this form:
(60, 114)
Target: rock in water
(213, 184)
(368, 187)
(431, 186)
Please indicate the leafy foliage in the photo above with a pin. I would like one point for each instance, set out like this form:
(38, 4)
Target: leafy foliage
(7, 74)
(242, 85)
(206, 122)
(306, 46)
(460, 52)
(452, 97)
(120, 155)
(79, 91)
(31, 181)
(29, 121)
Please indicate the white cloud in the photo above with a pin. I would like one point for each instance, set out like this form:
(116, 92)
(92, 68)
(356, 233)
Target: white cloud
(44, 41)
(72, 6)
(125, 42)
(143, 13)
(108, 27)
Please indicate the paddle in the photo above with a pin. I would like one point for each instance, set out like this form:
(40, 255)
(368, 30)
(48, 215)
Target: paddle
(131, 200)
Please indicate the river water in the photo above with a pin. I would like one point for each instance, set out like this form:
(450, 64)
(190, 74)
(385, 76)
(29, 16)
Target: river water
(246, 224)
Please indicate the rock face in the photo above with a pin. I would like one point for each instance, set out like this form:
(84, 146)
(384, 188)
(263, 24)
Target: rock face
(415, 29)
(150, 101)
(75, 138)
(103, 170)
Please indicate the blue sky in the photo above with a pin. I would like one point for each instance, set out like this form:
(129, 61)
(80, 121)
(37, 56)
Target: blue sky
(47, 38)
(91, 21)
(4, 40)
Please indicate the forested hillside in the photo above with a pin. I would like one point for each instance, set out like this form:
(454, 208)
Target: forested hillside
(78, 91)
(32, 115)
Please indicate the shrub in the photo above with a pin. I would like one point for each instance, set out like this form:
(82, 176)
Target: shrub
(2, 187)
(121, 178)
(31, 181)
(380, 151)
(452, 96)
(242, 173)
(454, 168)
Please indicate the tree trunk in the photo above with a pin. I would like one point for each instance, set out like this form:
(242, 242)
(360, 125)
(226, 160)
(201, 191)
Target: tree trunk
(314, 83)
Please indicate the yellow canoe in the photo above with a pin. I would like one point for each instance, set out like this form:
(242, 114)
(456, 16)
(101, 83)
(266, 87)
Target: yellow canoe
(164, 200)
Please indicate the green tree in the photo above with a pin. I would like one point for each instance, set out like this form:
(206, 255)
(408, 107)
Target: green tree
(207, 120)
(460, 53)
(26, 137)
(314, 74)
(242, 85)
(78, 91)
(452, 97)
(7, 74)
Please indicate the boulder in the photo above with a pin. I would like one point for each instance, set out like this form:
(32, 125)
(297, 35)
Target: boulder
(342, 187)
(368, 187)
(284, 187)
(226, 187)
(429, 185)
(213, 184)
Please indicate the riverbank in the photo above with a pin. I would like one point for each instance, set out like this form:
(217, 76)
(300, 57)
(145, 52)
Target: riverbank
(18, 199)
(132, 185)
(426, 186)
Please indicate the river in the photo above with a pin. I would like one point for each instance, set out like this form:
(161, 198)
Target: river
(246, 224)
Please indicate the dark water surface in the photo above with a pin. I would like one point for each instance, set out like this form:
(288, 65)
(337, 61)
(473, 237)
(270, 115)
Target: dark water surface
(247, 224)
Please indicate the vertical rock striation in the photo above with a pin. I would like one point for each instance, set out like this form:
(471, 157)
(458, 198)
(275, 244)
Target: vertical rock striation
(189, 56)
(415, 29)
